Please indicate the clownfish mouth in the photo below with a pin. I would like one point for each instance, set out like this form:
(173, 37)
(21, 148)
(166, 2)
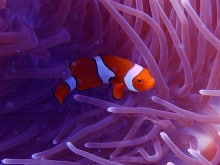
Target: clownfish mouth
(150, 84)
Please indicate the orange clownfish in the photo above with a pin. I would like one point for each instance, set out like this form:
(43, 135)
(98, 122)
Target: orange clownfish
(90, 72)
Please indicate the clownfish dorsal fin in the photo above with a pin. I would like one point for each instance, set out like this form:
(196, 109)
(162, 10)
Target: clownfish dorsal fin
(118, 90)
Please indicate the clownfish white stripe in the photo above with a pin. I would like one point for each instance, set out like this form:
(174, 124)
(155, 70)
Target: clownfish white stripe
(104, 72)
(71, 82)
(133, 72)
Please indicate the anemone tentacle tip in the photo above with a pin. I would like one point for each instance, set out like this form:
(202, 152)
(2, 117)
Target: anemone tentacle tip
(86, 145)
(163, 135)
(154, 98)
(35, 156)
(55, 141)
(190, 150)
(70, 145)
(202, 91)
(110, 109)
(5, 161)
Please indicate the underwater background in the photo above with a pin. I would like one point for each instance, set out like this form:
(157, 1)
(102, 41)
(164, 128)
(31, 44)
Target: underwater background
(177, 122)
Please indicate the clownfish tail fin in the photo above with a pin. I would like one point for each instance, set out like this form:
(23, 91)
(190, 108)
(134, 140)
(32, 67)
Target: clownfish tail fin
(61, 91)
(64, 88)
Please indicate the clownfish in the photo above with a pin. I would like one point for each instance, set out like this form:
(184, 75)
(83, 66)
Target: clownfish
(90, 72)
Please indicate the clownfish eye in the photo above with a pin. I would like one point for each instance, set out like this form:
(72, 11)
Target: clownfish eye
(139, 80)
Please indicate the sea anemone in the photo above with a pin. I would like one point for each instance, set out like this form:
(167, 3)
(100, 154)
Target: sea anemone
(177, 122)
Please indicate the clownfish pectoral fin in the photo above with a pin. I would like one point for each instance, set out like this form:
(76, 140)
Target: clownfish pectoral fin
(61, 91)
(118, 90)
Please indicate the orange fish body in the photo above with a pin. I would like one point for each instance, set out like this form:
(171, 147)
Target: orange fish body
(92, 72)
